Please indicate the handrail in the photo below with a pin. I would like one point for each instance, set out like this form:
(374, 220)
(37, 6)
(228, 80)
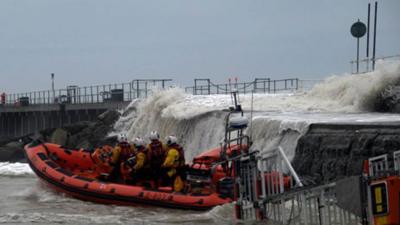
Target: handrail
(86, 94)
(267, 86)
(290, 167)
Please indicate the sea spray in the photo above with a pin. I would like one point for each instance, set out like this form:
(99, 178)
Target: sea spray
(15, 169)
(357, 93)
(270, 131)
(198, 120)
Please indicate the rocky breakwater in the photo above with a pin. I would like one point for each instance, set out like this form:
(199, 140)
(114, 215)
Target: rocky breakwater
(331, 151)
(79, 135)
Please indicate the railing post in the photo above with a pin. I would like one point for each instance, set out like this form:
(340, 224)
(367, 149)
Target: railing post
(85, 98)
(130, 91)
(91, 94)
(195, 87)
(104, 90)
(97, 93)
(137, 89)
(209, 86)
(145, 88)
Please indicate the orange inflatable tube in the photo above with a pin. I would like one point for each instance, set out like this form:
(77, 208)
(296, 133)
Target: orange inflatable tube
(75, 172)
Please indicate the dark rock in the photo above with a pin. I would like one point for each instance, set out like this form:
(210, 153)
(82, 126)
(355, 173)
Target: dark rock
(12, 152)
(59, 136)
(76, 127)
(388, 100)
(83, 134)
(46, 133)
(14, 144)
(95, 132)
(328, 152)
(109, 117)
(5, 140)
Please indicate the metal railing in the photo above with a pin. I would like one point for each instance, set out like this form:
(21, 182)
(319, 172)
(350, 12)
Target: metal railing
(89, 94)
(396, 160)
(259, 85)
(142, 88)
(367, 63)
(312, 206)
(267, 192)
(378, 165)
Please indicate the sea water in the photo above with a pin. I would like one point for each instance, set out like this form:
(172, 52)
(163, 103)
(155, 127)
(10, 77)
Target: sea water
(198, 122)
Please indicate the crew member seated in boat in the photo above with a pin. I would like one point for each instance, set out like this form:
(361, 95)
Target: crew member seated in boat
(102, 161)
(121, 152)
(136, 168)
(157, 150)
(174, 164)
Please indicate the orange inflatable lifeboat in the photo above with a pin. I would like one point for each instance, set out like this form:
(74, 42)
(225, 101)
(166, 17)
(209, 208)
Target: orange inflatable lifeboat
(75, 172)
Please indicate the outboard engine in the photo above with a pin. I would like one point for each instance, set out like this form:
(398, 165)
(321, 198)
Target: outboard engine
(226, 187)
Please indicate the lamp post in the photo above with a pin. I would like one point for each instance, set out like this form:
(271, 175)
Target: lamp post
(52, 87)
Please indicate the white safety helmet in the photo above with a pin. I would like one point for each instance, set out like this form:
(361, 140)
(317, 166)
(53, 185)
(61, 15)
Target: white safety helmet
(154, 135)
(139, 142)
(171, 140)
(122, 138)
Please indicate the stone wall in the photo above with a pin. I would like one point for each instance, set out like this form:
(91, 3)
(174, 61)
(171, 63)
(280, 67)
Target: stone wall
(83, 134)
(331, 151)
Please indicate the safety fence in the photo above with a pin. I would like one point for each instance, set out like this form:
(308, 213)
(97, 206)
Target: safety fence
(73, 94)
(311, 206)
(88, 94)
(366, 64)
(269, 188)
(259, 85)
(380, 166)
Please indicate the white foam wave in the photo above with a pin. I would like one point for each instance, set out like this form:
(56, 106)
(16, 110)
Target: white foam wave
(52, 218)
(15, 169)
(198, 122)
(222, 213)
(269, 132)
(353, 93)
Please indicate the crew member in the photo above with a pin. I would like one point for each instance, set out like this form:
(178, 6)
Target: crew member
(121, 152)
(174, 163)
(102, 158)
(157, 150)
(136, 168)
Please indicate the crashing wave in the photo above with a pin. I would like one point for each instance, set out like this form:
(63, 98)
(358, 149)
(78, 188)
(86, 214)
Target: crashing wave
(15, 169)
(197, 120)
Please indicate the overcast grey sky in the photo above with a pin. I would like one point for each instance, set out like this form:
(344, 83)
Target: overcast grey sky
(88, 42)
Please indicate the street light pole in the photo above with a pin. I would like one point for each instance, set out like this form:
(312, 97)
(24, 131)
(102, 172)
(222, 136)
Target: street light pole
(52, 87)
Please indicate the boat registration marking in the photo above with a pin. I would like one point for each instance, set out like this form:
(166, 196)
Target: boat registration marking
(156, 196)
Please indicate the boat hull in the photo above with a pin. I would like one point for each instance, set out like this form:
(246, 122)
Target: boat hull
(68, 171)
